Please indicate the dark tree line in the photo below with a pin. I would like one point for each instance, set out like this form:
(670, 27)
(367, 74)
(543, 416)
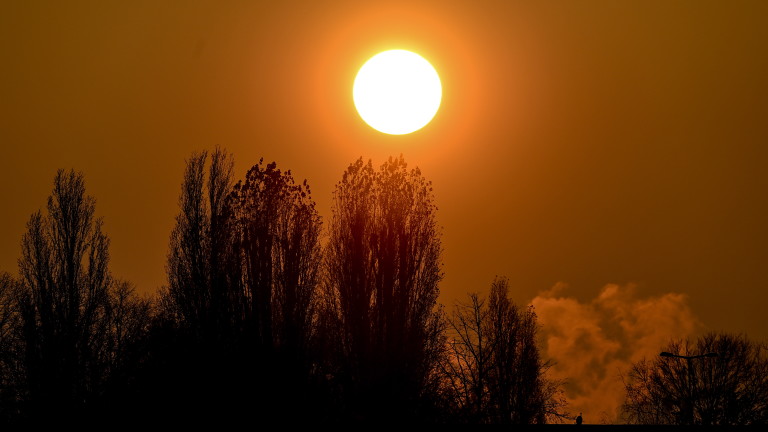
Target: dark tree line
(266, 313)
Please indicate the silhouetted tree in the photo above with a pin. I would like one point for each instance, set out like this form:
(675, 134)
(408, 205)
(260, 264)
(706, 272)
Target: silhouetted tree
(494, 373)
(242, 271)
(730, 389)
(278, 241)
(201, 267)
(383, 267)
(63, 301)
(194, 342)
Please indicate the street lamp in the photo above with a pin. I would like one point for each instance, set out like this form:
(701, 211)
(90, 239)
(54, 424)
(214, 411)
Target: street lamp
(690, 376)
(669, 354)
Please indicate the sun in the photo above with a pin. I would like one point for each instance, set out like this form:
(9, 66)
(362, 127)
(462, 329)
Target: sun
(397, 92)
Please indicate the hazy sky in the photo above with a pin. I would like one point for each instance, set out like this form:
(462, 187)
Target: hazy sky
(604, 148)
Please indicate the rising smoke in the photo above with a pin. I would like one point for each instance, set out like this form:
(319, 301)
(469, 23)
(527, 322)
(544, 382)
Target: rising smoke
(594, 343)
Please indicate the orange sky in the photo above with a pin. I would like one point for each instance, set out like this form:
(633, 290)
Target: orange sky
(579, 143)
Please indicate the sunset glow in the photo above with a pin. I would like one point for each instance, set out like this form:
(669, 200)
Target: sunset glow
(384, 213)
(397, 92)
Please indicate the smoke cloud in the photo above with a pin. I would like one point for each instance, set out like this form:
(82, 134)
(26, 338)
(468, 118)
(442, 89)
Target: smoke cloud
(594, 343)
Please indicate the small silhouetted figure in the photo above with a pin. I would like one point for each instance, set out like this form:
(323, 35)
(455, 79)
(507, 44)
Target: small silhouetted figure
(579, 419)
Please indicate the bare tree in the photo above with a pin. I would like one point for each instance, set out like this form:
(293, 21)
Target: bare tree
(196, 339)
(125, 327)
(383, 267)
(730, 388)
(201, 266)
(493, 370)
(468, 361)
(64, 289)
(69, 332)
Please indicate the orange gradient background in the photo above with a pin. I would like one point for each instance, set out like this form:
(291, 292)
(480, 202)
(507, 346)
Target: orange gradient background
(579, 145)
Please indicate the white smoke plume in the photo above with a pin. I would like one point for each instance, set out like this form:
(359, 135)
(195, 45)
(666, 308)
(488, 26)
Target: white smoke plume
(594, 343)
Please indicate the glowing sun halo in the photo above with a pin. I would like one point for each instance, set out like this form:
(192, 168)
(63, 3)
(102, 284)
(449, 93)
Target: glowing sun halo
(397, 92)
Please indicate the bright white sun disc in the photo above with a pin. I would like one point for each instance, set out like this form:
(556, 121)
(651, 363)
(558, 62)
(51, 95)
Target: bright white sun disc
(397, 92)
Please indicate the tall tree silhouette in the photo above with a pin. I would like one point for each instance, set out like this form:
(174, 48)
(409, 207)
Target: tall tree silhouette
(201, 265)
(278, 241)
(242, 271)
(196, 339)
(383, 267)
(494, 373)
(729, 389)
(62, 300)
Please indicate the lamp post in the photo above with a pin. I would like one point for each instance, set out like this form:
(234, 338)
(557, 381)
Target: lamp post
(688, 359)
